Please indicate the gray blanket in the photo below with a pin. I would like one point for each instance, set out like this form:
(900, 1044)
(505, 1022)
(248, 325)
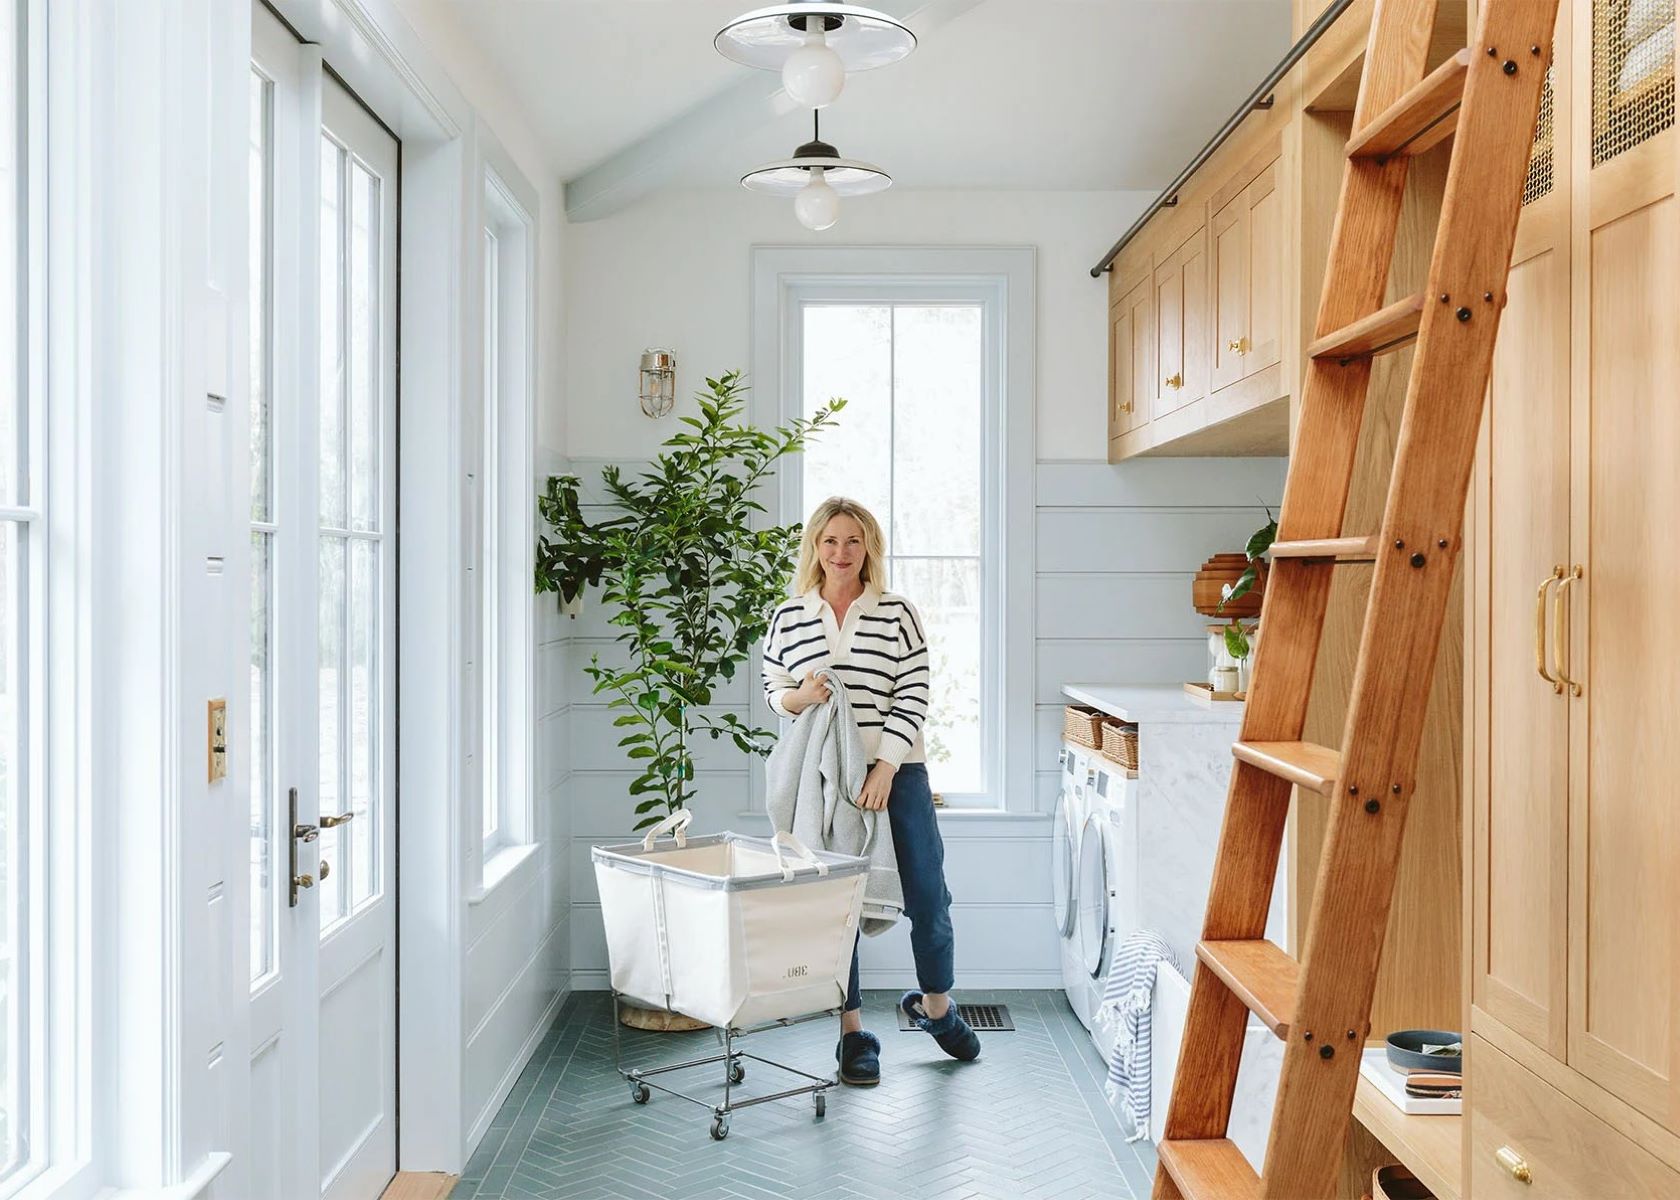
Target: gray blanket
(813, 779)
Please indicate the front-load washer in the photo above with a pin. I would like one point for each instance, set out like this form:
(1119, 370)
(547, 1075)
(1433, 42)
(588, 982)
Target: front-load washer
(1065, 861)
(1112, 821)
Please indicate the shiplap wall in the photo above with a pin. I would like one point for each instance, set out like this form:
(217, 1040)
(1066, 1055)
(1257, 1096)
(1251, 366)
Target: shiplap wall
(1116, 548)
(519, 934)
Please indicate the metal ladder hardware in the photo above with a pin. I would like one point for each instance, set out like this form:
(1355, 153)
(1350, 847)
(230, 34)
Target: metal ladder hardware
(1486, 97)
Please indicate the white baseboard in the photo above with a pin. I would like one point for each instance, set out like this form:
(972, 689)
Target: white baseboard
(481, 1123)
(592, 980)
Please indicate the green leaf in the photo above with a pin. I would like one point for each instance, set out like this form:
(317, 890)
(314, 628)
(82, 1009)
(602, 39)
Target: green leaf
(1236, 640)
(1261, 540)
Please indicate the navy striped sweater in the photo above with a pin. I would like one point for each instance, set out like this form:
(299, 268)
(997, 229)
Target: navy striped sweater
(879, 652)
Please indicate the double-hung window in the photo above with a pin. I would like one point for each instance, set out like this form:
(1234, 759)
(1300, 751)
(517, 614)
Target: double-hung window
(923, 443)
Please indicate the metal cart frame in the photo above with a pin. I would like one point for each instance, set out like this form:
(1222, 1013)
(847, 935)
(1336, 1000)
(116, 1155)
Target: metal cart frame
(640, 1082)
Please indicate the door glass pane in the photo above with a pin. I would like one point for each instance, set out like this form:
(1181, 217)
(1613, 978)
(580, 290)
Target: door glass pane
(263, 913)
(332, 335)
(363, 367)
(14, 795)
(363, 876)
(937, 427)
(848, 352)
(491, 804)
(11, 282)
(946, 591)
(330, 658)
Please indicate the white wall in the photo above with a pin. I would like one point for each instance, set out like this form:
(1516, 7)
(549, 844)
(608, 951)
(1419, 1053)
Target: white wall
(1115, 546)
(674, 271)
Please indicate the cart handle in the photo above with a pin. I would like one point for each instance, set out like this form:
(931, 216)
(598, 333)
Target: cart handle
(674, 825)
(785, 838)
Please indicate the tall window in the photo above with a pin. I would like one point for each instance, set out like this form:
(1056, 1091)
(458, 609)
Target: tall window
(914, 446)
(260, 156)
(504, 533)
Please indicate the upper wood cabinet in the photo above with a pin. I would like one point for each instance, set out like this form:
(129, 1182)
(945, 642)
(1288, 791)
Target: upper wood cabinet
(1181, 327)
(1131, 343)
(1246, 241)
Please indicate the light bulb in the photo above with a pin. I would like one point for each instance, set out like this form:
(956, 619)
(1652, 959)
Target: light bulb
(813, 75)
(817, 205)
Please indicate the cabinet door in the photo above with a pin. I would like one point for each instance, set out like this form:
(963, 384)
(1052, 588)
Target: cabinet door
(1520, 722)
(1182, 325)
(1131, 337)
(1228, 243)
(1265, 272)
(1625, 825)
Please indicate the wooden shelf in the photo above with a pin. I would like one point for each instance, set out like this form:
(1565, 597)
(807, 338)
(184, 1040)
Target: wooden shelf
(1432, 1148)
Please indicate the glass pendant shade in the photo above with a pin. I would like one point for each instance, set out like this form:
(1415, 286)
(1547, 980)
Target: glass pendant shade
(859, 37)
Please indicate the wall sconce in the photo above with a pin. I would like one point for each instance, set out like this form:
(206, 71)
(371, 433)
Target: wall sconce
(658, 375)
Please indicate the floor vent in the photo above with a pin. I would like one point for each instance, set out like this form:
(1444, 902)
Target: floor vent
(982, 1018)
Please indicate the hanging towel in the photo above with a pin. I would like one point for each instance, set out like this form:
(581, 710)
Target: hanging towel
(812, 781)
(1126, 1000)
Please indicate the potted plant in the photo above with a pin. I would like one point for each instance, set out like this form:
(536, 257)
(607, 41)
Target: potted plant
(689, 578)
(1238, 637)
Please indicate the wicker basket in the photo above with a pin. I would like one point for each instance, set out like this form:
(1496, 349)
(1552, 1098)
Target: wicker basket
(1120, 742)
(1082, 726)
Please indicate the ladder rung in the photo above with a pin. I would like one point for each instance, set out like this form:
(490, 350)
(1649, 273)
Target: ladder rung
(1425, 116)
(1311, 766)
(1262, 976)
(1210, 1170)
(1342, 549)
(1384, 330)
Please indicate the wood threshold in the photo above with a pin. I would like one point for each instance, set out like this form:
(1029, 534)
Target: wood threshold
(419, 1185)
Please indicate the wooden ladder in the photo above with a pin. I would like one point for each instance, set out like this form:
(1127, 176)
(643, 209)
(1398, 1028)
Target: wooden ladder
(1488, 96)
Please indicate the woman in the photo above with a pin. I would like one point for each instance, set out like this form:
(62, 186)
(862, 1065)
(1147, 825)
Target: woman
(841, 620)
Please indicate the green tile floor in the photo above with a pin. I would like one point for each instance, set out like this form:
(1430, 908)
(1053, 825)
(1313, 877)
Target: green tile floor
(1027, 1120)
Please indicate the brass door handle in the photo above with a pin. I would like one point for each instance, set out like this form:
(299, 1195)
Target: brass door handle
(1175, 380)
(302, 881)
(1540, 629)
(1513, 1164)
(1560, 630)
(335, 822)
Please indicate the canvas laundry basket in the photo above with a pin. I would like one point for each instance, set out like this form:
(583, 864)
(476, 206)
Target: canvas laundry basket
(729, 929)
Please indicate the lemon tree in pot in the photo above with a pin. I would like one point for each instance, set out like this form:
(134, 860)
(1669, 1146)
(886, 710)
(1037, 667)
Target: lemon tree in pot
(687, 578)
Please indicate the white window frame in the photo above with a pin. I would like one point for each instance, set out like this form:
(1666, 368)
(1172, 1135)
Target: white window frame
(1001, 281)
(506, 521)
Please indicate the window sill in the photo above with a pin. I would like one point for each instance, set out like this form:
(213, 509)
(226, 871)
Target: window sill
(501, 866)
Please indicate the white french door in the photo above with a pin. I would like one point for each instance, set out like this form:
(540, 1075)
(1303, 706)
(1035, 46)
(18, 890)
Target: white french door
(323, 688)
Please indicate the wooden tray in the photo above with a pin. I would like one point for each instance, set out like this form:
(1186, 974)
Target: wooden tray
(1204, 691)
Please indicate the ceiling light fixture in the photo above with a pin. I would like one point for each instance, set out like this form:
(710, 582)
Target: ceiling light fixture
(816, 177)
(813, 44)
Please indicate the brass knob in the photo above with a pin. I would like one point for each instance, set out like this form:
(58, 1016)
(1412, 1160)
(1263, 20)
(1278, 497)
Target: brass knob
(1513, 1163)
(1175, 380)
(303, 881)
(326, 869)
(1237, 346)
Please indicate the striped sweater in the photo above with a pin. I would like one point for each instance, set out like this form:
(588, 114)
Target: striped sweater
(880, 653)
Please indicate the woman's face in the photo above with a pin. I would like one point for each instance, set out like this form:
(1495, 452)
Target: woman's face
(840, 549)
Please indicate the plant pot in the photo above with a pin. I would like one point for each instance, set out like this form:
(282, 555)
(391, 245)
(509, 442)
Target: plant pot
(1218, 573)
(660, 1020)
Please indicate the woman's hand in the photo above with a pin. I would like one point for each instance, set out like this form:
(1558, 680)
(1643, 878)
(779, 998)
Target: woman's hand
(811, 690)
(877, 788)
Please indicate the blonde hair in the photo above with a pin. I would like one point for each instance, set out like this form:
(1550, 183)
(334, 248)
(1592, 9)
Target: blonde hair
(810, 572)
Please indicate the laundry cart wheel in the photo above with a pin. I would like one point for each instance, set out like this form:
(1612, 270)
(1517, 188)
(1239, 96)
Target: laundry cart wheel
(639, 1093)
(737, 1071)
(822, 1105)
(720, 1128)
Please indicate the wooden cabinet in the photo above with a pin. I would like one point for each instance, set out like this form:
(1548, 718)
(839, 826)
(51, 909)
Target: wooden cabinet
(1574, 845)
(1181, 327)
(1246, 246)
(1131, 371)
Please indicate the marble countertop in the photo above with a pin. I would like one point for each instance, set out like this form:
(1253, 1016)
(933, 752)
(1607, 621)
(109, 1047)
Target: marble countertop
(1154, 703)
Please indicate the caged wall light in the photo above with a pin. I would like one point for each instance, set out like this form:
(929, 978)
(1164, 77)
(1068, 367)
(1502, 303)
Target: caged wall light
(658, 382)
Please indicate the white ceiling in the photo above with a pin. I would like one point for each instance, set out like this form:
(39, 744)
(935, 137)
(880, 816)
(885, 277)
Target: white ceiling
(1046, 94)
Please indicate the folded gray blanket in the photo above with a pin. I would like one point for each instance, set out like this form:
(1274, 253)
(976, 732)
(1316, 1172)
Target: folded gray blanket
(813, 778)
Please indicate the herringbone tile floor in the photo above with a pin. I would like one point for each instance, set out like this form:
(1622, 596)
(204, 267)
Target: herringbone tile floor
(1024, 1122)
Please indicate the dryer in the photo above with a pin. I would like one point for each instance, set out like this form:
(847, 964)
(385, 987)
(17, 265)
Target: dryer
(1065, 859)
(1111, 824)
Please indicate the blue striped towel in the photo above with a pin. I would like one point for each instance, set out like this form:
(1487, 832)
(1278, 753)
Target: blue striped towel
(1126, 999)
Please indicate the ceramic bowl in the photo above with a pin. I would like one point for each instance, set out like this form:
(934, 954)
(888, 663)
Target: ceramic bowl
(1405, 1050)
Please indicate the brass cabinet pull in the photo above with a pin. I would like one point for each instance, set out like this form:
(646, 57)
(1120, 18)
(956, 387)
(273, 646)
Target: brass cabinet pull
(1175, 380)
(1540, 629)
(1513, 1163)
(1239, 346)
(1560, 630)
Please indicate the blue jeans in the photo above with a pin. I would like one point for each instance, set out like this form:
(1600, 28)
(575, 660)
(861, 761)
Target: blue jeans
(921, 870)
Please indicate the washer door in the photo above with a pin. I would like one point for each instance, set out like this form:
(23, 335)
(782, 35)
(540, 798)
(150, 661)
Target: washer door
(1092, 882)
(1061, 866)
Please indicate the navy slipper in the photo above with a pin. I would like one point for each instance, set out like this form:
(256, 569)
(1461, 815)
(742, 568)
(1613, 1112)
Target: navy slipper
(953, 1034)
(859, 1055)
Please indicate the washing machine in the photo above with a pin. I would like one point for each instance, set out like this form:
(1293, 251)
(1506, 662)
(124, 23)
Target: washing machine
(1109, 878)
(1065, 863)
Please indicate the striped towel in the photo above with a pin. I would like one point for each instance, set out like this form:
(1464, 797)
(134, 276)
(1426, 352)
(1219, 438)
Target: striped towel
(1126, 1000)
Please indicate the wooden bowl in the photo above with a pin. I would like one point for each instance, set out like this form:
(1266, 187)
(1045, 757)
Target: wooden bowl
(1218, 572)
